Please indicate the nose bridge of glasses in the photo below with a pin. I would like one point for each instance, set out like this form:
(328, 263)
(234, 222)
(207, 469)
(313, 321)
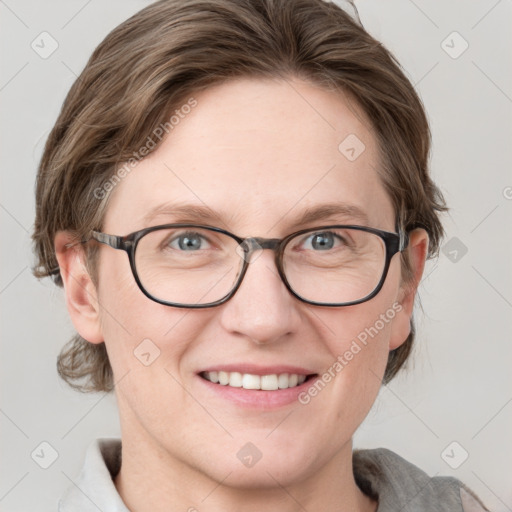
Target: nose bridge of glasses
(254, 244)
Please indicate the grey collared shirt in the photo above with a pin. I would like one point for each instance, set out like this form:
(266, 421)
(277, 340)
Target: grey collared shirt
(380, 473)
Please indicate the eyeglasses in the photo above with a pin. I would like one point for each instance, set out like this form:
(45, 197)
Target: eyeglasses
(197, 266)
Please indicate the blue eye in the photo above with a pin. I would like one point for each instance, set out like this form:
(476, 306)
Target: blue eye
(188, 242)
(322, 241)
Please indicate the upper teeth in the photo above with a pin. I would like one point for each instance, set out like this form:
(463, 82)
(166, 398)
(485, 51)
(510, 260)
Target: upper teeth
(249, 381)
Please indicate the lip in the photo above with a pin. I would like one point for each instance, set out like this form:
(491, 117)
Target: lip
(256, 398)
(258, 369)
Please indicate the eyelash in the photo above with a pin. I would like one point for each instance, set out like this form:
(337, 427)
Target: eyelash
(175, 237)
(191, 234)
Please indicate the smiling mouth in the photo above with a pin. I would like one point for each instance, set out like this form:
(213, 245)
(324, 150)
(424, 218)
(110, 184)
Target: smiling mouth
(272, 382)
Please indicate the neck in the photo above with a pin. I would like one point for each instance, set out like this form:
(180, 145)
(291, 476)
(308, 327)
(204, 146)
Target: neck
(152, 479)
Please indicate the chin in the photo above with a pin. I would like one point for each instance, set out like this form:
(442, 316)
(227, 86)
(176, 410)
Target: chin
(264, 474)
(262, 465)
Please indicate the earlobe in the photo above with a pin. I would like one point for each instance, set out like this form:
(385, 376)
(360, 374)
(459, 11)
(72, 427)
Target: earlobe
(417, 252)
(79, 289)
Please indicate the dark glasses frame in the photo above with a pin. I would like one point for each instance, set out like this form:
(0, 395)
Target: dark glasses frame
(394, 243)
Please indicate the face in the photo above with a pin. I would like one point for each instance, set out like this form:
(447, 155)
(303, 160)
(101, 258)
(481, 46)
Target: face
(257, 154)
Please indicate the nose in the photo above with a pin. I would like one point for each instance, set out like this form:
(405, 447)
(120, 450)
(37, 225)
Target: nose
(262, 309)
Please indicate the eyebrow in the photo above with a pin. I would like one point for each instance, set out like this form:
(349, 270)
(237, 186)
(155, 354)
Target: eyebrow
(327, 210)
(201, 214)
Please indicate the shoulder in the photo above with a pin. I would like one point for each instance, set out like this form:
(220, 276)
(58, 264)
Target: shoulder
(395, 482)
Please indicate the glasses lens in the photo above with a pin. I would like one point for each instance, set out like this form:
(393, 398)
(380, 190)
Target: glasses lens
(187, 265)
(335, 265)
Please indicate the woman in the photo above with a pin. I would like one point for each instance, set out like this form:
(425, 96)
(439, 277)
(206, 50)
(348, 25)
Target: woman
(264, 166)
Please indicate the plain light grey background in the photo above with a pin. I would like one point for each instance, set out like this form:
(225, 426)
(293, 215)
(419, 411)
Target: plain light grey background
(454, 401)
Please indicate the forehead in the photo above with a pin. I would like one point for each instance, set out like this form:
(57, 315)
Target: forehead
(258, 154)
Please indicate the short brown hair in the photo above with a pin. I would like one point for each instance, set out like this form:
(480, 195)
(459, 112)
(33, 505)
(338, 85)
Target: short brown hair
(171, 49)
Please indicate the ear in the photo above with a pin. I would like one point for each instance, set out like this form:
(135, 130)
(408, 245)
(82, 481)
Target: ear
(80, 291)
(417, 251)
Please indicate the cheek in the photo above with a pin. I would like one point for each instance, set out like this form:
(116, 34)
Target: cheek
(147, 345)
(360, 334)
(358, 342)
(140, 333)
(360, 353)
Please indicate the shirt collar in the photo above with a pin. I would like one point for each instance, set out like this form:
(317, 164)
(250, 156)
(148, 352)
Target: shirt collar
(94, 490)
